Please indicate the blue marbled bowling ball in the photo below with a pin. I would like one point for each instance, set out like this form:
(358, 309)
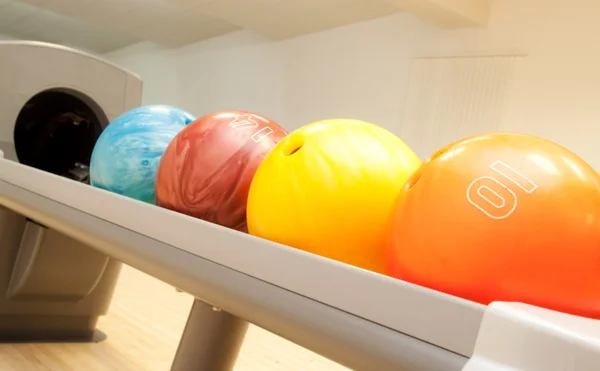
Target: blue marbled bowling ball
(126, 156)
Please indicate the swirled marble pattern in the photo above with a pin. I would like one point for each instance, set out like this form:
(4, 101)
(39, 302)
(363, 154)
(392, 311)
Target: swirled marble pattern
(207, 169)
(126, 156)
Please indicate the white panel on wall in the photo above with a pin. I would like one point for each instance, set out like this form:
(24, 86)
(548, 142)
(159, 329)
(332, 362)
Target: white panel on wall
(453, 97)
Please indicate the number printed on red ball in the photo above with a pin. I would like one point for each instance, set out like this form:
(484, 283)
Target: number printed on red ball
(502, 217)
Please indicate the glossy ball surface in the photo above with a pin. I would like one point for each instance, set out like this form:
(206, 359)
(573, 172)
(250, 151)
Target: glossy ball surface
(502, 217)
(126, 156)
(328, 188)
(207, 169)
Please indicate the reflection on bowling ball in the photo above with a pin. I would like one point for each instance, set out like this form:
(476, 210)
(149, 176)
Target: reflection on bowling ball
(328, 189)
(502, 217)
(207, 169)
(127, 153)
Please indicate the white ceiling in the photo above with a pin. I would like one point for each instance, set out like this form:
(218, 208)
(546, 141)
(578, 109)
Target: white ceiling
(104, 25)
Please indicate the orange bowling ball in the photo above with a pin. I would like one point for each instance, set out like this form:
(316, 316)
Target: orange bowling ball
(502, 217)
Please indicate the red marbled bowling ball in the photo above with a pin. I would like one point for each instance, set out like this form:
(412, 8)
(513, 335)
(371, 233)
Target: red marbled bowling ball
(207, 169)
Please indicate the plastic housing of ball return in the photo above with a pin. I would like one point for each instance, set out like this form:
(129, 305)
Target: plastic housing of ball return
(515, 336)
(54, 287)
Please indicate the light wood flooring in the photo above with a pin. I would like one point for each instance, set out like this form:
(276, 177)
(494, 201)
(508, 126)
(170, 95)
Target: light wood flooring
(143, 327)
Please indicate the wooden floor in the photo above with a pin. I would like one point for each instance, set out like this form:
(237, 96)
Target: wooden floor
(143, 327)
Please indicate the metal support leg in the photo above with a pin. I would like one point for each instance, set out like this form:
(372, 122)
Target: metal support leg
(211, 340)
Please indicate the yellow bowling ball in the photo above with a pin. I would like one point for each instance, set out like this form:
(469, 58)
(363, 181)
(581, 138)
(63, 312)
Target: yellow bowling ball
(328, 188)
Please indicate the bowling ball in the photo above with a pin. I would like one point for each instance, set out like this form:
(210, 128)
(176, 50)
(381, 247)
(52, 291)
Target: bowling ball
(328, 189)
(126, 156)
(207, 169)
(502, 217)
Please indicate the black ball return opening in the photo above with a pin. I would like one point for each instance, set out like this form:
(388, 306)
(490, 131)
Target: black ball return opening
(56, 132)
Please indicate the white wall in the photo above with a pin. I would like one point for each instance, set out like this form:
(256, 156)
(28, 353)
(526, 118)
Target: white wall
(235, 71)
(156, 66)
(363, 70)
(359, 71)
(556, 88)
(329, 74)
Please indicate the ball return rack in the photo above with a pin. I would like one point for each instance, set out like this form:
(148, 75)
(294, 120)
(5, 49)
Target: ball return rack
(357, 318)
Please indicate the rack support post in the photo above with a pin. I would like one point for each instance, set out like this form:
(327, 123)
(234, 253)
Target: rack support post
(211, 340)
